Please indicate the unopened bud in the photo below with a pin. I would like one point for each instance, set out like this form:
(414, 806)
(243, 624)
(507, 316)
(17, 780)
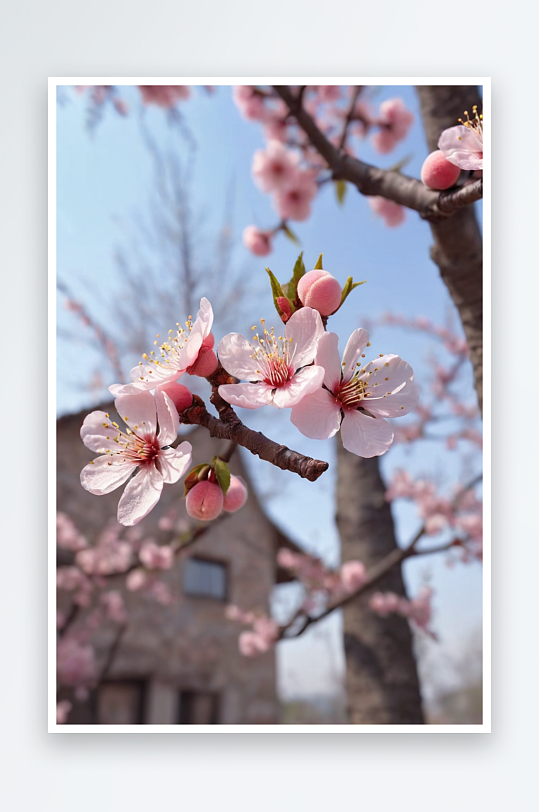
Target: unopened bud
(179, 395)
(236, 495)
(439, 173)
(321, 291)
(204, 501)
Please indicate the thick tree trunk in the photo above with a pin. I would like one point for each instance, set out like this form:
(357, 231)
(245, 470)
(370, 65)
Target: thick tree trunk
(381, 673)
(458, 246)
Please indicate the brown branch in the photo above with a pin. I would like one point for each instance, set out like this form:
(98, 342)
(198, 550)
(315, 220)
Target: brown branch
(370, 180)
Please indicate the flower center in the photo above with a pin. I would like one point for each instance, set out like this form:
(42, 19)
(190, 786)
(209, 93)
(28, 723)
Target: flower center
(273, 356)
(170, 350)
(475, 123)
(132, 447)
(351, 392)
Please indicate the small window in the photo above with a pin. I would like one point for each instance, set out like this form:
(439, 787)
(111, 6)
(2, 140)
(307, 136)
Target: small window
(205, 578)
(198, 708)
(120, 703)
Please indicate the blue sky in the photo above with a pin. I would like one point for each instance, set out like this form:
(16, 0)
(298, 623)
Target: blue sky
(104, 179)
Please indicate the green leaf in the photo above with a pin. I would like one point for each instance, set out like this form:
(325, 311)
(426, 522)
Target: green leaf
(276, 288)
(299, 269)
(291, 288)
(222, 472)
(318, 266)
(289, 233)
(340, 189)
(349, 287)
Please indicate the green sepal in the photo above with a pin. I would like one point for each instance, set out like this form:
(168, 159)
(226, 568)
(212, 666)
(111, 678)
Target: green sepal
(349, 287)
(318, 266)
(276, 288)
(291, 288)
(222, 472)
(195, 475)
(340, 190)
(289, 233)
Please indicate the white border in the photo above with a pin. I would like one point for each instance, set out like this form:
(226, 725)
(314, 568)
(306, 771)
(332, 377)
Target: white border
(53, 83)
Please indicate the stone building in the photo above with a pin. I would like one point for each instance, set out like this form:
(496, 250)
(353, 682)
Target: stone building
(180, 664)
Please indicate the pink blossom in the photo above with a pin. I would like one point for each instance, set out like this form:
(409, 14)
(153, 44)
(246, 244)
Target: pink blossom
(204, 501)
(76, 662)
(321, 291)
(352, 575)
(164, 95)
(277, 368)
(156, 557)
(388, 210)
(275, 167)
(294, 201)
(395, 121)
(144, 447)
(62, 711)
(463, 145)
(114, 606)
(437, 172)
(136, 580)
(250, 102)
(356, 396)
(67, 535)
(177, 354)
(236, 495)
(257, 241)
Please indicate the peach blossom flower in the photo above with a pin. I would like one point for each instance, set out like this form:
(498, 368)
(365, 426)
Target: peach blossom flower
(356, 397)
(388, 210)
(294, 201)
(463, 145)
(144, 447)
(275, 167)
(257, 241)
(277, 368)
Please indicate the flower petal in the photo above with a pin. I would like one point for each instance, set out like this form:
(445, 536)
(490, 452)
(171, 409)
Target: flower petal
(148, 376)
(365, 436)
(237, 356)
(327, 356)
(97, 436)
(105, 474)
(138, 412)
(462, 147)
(167, 415)
(305, 328)
(141, 494)
(391, 390)
(174, 462)
(352, 352)
(247, 395)
(308, 380)
(318, 415)
(200, 330)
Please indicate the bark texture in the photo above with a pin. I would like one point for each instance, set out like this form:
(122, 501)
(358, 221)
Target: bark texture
(381, 675)
(458, 245)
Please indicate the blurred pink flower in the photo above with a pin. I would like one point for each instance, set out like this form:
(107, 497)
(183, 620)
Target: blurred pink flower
(294, 201)
(257, 241)
(392, 214)
(275, 167)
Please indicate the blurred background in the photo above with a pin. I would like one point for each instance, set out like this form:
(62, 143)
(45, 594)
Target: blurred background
(152, 202)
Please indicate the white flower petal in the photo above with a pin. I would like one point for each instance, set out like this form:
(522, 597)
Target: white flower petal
(365, 436)
(148, 376)
(96, 436)
(167, 415)
(318, 415)
(174, 462)
(394, 397)
(105, 474)
(138, 410)
(352, 352)
(327, 356)
(141, 494)
(247, 395)
(303, 383)
(305, 328)
(236, 356)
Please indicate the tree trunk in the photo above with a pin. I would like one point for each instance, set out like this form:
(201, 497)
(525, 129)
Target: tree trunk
(381, 673)
(458, 245)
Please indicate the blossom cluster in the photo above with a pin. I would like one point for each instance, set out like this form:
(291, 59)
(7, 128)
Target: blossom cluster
(418, 610)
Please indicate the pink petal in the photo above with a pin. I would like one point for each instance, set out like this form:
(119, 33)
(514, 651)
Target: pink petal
(148, 376)
(138, 410)
(303, 383)
(306, 329)
(94, 434)
(105, 474)
(168, 418)
(200, 330)
(247, 395)
(236, 356)
(141, 494)
(352, 352)
(394, 397)
(174, 462)
(327, 356)
(318, 415)
(365, 436)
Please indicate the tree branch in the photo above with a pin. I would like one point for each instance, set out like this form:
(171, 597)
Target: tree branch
(370, 180)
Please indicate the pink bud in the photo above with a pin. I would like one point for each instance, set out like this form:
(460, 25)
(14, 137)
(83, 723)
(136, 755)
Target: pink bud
(205, 364)
(353, 575)
(284, 307)
(179, 395)
(204, 501)
(321, 291)
(437, 172)
(257, 241)
(236, 495)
